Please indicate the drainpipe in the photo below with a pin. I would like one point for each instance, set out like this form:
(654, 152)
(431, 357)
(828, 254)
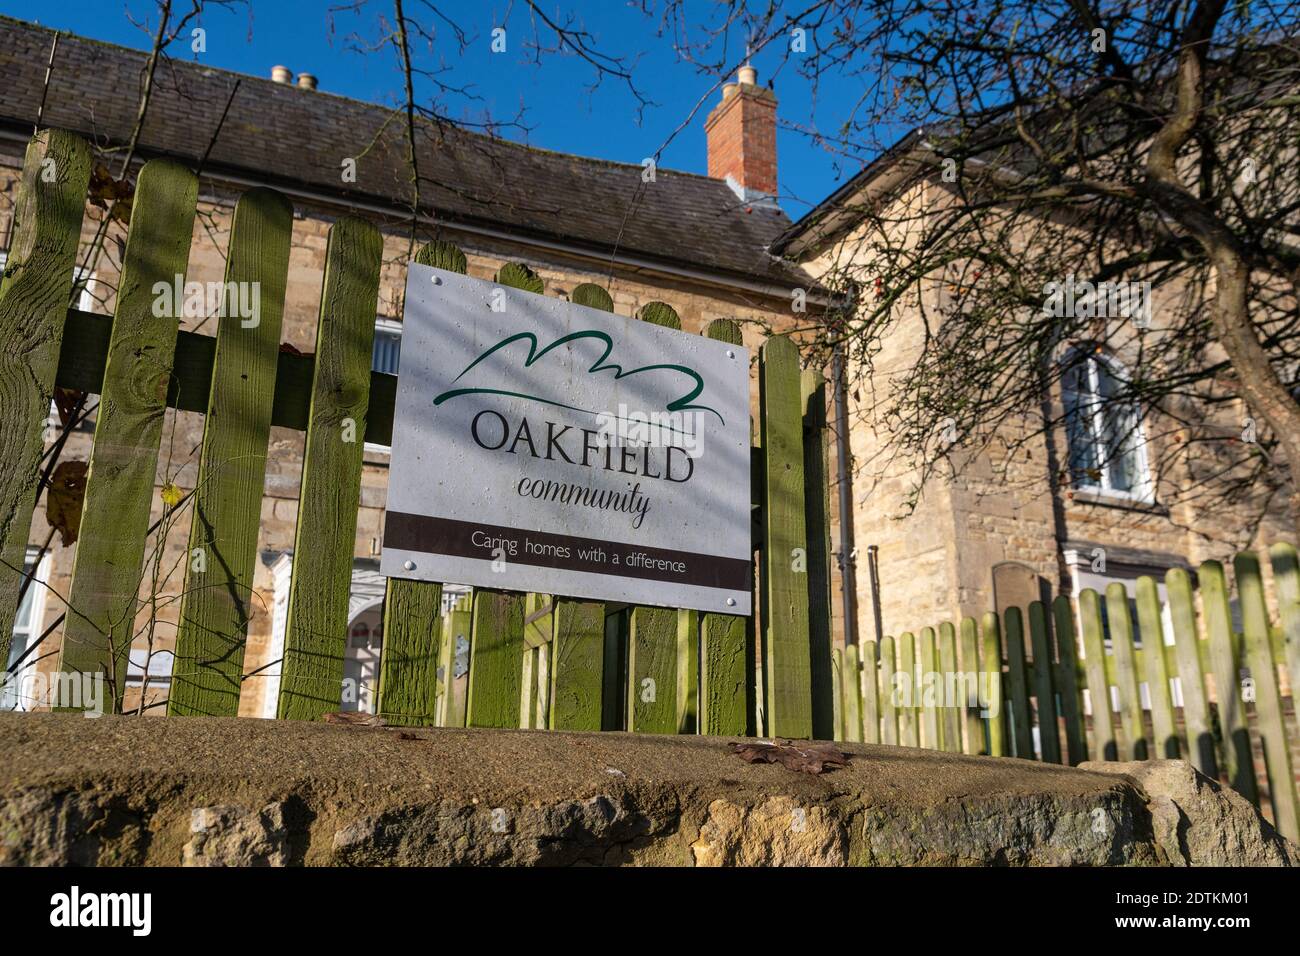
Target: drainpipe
(843, 475)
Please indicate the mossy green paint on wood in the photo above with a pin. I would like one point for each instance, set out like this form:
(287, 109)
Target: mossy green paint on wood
(592, 296)
(888, 693)
(973, 724)
(120, 484)
(652, 631)
(1157, 672)
(1268, 696)
(930, 689)
(787, 656)
(1286, 584)
(726, 653)
(496, 659)
(1191, 679)
(995, 699)
(850, 696)
(1022, 736)
(950, 714)
(909, 730)
(1040, 639)
(870, 694)
(1067, 681)
(1134, 743)
(34, 294)
(1104, 744)
(1225, 660)
(408, 668)
(218, 598)
(577, 667)
(409, 664)
(316, 628)
(817, 520)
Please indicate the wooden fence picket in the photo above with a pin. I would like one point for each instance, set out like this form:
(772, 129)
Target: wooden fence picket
(409, 660)
(120, 485)
(496, 659)
(973, 725)
(726, 654)
(950, 679)
(460, 635)
(888, 698)
(1067, 680)
(1040, 639)
(1286, 584)
(786, 652)
(991, 668)
(35, 287)
(316, 628)
(1225, 661)
(688, 671)
(1151, 628)
(652, 631)
(927, 667)
(1191, 681)
(1268, 697)
(1104, 745)
(1022, 735)
(850, 696)
(870, 694)
(817, 522)
(909, 729)
(1134, 743)
(576, 657)
(218, 600)
(414, 650)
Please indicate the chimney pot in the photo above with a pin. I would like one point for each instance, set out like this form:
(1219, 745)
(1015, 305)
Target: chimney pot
(282, 74)
(306, 81)
(741, 134)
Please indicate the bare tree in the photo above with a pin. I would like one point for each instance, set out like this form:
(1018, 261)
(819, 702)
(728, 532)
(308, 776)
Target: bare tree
(1061, 143)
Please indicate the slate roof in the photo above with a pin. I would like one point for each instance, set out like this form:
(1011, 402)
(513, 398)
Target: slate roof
(282, 135)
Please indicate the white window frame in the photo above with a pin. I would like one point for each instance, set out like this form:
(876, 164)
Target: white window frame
(24, 634)
(390, 327)
(1144, 492)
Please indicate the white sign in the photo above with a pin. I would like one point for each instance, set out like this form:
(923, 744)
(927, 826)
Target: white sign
(544, 446)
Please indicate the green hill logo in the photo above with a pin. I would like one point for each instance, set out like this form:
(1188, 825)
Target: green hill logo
(685, 381)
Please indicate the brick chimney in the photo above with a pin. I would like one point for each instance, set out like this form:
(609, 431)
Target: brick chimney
(741, 132)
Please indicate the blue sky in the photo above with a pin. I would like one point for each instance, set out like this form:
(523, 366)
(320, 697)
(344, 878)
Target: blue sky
(562, 113)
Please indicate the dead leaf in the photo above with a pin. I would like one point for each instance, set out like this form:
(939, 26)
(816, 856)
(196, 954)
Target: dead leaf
(354, 718)
(171, 495)
(64, 500)
(799, 756)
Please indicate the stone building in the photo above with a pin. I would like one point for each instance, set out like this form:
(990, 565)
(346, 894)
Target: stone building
(1003, 533)
(698, 243)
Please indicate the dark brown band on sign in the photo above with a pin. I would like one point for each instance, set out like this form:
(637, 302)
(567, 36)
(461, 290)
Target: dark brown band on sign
(469, 539)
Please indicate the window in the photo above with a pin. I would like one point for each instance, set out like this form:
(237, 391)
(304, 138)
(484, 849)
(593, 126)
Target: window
(1107, 450)
(388, 346)
(27, 627)
(385, 357)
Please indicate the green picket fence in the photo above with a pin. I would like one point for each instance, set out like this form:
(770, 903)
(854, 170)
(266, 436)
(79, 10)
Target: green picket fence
(991, 688)
(532, 660)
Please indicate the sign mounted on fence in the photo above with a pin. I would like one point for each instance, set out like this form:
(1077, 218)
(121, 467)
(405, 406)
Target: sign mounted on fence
(544, 446)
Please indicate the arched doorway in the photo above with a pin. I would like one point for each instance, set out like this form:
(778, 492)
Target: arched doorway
(361, 660)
